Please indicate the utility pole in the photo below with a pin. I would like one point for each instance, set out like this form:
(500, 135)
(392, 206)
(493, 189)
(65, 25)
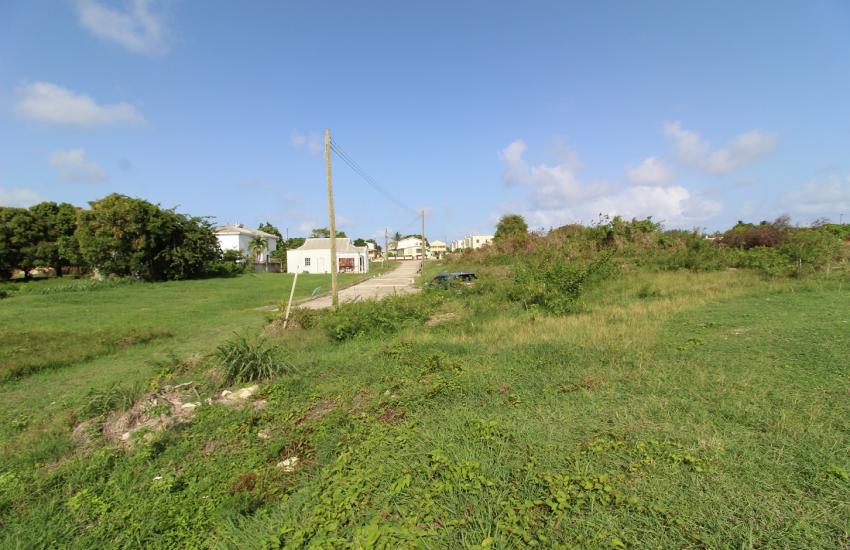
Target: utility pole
(332, 222)
(423, 235)
(386, 245)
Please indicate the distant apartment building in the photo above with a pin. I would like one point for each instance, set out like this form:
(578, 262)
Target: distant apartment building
(471, 242)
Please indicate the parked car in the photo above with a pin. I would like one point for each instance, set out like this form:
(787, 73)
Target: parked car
(445, 280)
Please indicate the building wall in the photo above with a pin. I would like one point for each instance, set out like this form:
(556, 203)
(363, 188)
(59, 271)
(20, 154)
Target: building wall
(241, 243)
(320, 261)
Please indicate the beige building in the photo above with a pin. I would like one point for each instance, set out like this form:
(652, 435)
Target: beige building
(472, 242)
(438, 249)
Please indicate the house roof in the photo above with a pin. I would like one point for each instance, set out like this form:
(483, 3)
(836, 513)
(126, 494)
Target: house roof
(239, 229)
(343, 245)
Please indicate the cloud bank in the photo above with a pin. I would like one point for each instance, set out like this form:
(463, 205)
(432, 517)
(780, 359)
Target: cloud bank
(51, 104)
(742, 150)
(558, 196)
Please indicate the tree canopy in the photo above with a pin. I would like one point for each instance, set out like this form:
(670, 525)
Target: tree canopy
(511, 227)
(269, 228)
(325, 233)
(124, 236)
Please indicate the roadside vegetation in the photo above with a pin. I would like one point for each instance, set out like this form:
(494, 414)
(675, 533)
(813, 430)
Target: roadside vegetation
(611, 386)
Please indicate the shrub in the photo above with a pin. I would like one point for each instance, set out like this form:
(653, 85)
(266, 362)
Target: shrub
(303, 317)
(357, 319)
(232, 263)
(747, 235)
(243, 361)
(556, 285)
(648, 291)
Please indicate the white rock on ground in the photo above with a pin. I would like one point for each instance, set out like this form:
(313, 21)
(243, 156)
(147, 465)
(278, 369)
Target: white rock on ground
(289, 464)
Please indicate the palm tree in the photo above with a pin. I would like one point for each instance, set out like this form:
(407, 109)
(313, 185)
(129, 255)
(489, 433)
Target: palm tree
(257, 246)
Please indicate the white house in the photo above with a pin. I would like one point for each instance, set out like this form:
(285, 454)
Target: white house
(314, 256)
(409, 247)
(238, 237)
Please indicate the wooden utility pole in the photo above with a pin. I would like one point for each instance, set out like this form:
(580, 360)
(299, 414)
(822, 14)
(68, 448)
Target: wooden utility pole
(423, 235)
(289, 303)
(332, 222)
(386, 245)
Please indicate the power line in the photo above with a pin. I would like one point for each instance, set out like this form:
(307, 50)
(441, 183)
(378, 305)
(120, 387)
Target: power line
(367, 178)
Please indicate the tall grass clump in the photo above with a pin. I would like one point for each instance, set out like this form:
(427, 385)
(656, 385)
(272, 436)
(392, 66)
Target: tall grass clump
(115, 397)
(244, 361)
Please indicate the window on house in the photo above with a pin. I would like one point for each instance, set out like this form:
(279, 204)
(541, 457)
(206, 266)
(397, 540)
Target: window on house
(306, 261)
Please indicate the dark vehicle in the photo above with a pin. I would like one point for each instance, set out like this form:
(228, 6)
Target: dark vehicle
(445, 280)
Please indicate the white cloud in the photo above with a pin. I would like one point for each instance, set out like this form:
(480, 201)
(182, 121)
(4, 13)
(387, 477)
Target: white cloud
(20, 197)
(744, 149)
(73, 166)
(688, 146)
(559, 197)
(52, 104)
(557, 183)
(691, 149)
(137, 27)
(652, 171)
(311, 142)
(826, 197)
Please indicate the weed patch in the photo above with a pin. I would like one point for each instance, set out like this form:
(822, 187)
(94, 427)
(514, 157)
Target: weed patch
(244, 361)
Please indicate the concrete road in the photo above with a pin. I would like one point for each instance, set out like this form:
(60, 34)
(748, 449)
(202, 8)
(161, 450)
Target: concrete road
(398, 281)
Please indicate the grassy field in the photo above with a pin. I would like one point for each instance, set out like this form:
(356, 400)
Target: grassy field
(61, 337)
(675, 410)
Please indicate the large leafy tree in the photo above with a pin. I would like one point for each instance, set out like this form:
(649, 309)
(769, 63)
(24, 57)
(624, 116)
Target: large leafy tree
(511, 229)
(55, 225)
(19, 235)
(132, 237)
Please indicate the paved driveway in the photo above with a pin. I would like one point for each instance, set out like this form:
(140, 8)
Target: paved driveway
(398, 281)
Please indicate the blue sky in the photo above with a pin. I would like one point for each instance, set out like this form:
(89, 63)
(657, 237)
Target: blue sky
(699, 114)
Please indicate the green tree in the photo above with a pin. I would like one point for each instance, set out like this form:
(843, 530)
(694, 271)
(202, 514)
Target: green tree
(325, 233)
(511, 229)
(131, 237)
(269, 228)
(359, 242)
(19, 236)
(55, 224)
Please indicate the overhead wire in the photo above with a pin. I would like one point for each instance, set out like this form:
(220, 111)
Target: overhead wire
(345, 157)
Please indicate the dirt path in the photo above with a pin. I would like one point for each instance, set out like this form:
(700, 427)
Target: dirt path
(398, 281)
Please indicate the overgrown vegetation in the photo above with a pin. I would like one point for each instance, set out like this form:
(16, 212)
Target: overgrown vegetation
(370, 318)
(549, 404)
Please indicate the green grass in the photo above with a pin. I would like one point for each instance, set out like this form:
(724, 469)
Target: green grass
(675, 410)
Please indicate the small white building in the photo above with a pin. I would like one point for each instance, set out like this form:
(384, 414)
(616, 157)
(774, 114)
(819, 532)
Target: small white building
(314, 256)
(238, 237)
(409, 247)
